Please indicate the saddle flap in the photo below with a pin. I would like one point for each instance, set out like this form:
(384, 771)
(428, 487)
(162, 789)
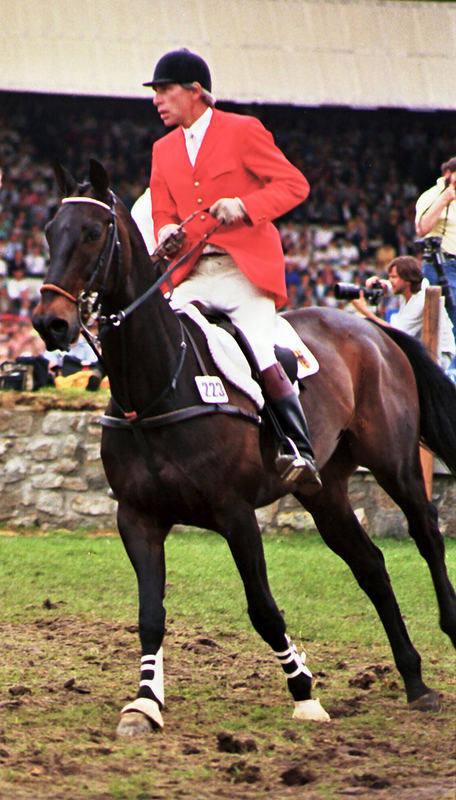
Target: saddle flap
(234, 357)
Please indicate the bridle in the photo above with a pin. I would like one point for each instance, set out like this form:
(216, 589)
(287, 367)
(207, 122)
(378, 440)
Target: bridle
(88, 300)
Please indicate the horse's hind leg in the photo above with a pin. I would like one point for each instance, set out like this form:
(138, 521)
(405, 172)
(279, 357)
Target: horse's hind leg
(410, 495)
(242, 533)
(343, 533)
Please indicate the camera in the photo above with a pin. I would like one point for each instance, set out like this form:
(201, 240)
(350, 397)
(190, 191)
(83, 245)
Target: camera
(431, 245)
(350, 291)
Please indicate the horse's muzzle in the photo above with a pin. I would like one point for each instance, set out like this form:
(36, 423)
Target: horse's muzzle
(57, 332)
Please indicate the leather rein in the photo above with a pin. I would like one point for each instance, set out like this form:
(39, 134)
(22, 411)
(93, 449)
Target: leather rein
(87, 304)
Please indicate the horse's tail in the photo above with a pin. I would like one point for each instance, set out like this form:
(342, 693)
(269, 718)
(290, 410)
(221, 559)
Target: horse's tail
(437, 397)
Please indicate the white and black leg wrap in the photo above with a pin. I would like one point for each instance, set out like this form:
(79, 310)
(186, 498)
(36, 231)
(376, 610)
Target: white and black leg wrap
(151, 684)
(294, 666)
(292, 663)
(151, 695)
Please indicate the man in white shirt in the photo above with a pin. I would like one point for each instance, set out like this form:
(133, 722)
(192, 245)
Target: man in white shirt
(406, 281)
(436, 217)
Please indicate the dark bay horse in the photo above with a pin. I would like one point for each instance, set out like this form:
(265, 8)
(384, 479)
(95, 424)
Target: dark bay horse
(169, 459)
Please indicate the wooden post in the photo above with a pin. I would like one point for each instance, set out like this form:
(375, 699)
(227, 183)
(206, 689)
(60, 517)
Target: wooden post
(431, 316)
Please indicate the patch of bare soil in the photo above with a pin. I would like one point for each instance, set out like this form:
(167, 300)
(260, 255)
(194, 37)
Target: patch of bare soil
(228, 728)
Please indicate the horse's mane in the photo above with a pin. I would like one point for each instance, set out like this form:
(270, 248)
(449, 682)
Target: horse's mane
(437, 408)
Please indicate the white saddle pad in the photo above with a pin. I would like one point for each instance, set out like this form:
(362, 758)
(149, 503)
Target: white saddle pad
(232, 362)
(286, 336)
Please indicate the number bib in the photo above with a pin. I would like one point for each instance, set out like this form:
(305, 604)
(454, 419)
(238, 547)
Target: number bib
(211, 389)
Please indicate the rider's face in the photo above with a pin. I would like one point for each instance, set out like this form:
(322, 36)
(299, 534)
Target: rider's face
(174, 104)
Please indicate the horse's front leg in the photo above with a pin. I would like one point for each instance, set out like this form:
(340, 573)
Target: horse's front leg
(144, 543)
(244, 540)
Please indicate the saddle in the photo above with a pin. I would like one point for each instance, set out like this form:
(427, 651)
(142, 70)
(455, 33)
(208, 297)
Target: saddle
(284, 355)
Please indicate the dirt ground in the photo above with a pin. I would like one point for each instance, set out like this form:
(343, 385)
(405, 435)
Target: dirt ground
(228, 728)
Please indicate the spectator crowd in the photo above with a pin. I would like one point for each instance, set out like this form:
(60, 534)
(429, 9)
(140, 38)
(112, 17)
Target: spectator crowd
(366, 170)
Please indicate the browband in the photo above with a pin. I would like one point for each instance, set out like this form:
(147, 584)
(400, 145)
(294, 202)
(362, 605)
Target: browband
(87, 200)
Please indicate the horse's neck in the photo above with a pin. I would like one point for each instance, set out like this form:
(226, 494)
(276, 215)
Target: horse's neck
(141, 352)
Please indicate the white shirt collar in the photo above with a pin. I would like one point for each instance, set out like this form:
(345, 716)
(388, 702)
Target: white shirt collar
(194, 135)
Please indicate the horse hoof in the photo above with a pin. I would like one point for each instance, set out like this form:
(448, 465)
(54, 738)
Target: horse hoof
(140, 716)
(310, 711)
(133, 723)
(427, 702)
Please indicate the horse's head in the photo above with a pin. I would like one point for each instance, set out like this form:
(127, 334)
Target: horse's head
(82, 239)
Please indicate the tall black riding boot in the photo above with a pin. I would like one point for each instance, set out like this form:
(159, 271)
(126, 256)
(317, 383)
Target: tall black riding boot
(295, 461)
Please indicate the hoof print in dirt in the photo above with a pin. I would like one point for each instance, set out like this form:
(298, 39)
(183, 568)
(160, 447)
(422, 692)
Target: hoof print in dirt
(228, 743)
(17, 691)
(200, 645)
(370, 781)
(346, 708)
(363, 680)
(190, 750)
(72, 686)
(241, 772)
(297, 776)
(381, 669)
(291, 734)
(131, 628)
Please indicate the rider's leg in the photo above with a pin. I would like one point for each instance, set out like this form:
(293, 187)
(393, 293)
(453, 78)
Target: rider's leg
(219, 282)
(296, 462)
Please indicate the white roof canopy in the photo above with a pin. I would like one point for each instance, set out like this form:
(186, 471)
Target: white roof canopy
(394, 53)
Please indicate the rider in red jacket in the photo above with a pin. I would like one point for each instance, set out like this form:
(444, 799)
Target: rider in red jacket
(228, 164)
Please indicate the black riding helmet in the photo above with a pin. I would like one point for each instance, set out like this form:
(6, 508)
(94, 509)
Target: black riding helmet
(182, 66)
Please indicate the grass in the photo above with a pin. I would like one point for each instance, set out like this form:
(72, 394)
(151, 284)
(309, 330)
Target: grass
(92, 576)
(68, 608)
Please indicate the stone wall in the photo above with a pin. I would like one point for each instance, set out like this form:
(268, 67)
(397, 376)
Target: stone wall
(52, 477)
(52, 474)
(374, 508)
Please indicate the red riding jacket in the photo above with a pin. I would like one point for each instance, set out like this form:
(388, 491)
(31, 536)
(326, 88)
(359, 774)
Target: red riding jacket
(237, 158)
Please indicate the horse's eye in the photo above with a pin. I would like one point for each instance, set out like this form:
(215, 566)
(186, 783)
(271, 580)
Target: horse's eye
(93, 234)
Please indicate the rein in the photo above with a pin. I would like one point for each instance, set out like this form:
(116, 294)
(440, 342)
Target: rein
(132, 419)
(116, 319)
(120, 316)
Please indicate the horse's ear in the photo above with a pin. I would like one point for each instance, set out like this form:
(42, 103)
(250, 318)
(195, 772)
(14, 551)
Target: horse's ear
(65, 181)
(98, 177)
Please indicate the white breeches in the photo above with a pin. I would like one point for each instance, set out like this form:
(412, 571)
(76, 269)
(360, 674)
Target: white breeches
(218, 282)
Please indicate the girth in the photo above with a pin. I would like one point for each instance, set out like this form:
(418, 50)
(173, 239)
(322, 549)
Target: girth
(179, 415)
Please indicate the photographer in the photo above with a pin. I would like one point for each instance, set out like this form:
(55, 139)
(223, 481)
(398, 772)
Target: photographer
(436, 216)
(406, 281)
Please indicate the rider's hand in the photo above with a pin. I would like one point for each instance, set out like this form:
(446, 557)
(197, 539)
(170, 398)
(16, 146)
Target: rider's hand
(228, 210)
(170, 240)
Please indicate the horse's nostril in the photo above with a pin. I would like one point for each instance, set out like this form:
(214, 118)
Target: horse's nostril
(55, 331)
(58, 327)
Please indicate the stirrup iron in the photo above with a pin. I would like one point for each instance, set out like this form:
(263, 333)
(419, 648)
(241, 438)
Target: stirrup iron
(293, 466)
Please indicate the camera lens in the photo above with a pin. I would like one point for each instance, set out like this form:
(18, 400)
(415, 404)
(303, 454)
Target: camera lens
(346, 291)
